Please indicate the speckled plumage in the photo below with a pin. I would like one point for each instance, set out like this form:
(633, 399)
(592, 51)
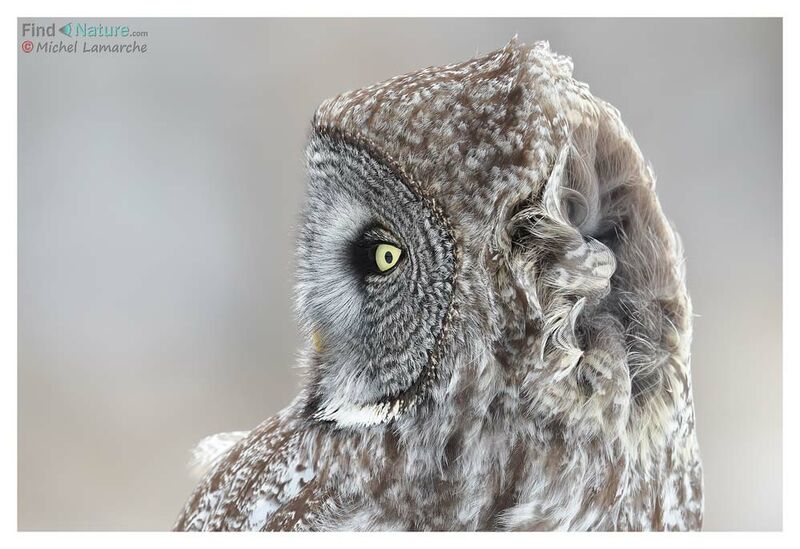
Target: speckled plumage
(524, 367)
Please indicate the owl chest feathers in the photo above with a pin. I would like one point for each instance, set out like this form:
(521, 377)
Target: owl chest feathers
(476, 469)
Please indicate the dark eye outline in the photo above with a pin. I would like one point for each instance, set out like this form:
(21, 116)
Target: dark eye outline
(363, 251)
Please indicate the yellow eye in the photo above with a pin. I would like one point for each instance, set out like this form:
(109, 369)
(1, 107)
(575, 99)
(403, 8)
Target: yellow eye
(387, 256)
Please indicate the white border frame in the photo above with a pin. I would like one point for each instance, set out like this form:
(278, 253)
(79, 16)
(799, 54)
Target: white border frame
(416, 8)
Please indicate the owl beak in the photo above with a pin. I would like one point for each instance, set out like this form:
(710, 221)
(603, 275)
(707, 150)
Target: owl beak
(316, 341)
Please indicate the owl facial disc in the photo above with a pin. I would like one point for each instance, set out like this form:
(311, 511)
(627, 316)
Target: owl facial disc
(375, 281)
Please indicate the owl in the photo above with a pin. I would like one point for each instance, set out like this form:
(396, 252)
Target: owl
(496, 317)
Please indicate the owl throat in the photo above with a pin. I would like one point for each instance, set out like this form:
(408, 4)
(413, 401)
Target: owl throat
(349, 414)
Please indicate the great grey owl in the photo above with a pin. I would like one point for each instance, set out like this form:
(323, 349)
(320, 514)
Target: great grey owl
(497, 321)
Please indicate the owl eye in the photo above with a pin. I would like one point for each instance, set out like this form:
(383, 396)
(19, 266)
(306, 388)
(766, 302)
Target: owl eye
(386, 257)
(373, 253)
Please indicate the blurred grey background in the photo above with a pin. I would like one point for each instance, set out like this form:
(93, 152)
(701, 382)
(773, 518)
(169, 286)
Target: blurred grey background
(158, 193)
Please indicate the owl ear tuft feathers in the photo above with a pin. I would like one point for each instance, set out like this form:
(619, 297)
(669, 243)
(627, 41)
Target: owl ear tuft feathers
(591, 246)
(564, 268)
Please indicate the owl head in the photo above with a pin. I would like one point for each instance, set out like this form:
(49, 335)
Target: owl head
(489, 216)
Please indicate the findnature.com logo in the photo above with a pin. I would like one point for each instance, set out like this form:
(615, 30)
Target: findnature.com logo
(80, 31)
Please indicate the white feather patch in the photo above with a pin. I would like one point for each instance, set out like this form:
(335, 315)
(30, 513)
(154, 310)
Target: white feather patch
(352, 415)
(209, 450)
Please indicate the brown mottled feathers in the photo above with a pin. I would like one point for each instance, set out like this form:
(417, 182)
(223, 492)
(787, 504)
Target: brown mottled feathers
(524, 365)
